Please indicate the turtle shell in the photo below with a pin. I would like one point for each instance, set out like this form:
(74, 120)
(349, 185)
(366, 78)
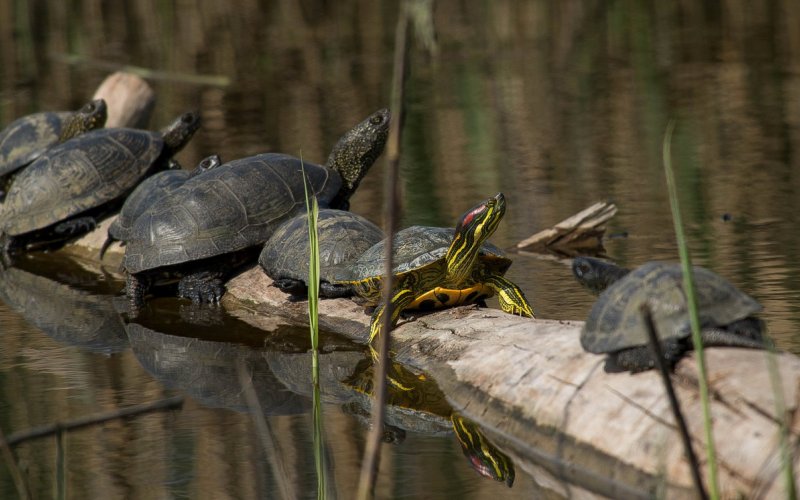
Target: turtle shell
(233, 207)
(342, 236)
(150, 190)
(142, 197)
(615, 321)
(80, 174)
(26, 138)
(414, 248)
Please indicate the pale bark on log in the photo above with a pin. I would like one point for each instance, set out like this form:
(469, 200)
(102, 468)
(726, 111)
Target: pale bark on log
(129, 99)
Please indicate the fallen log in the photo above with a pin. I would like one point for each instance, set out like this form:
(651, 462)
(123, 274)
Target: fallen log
(550, 406)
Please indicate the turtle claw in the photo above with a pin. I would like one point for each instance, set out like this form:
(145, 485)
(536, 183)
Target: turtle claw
(202, 288)
(76, 226)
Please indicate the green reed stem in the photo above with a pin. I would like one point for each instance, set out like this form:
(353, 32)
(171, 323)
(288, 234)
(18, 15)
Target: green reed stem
(312, 209)
(689, 290)
(783, 416)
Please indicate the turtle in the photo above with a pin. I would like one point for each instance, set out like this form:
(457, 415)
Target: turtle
(343, 236)
(209, 226)
(64, 191)
(616, 327)
(145, 194)
(439, 267)
(26, 138)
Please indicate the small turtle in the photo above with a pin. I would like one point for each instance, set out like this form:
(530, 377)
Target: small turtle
(615, 324)
(63, 192)
(439, 267)
(193, 233)
(342, 236)
(26, 138)
(147, 192)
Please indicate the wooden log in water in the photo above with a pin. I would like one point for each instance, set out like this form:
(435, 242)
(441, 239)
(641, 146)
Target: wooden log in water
(551, 407)
(129, 98)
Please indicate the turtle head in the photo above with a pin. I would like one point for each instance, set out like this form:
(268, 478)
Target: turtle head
(483, 456)
(356, 151)
(178, 133)
(595, 274)
(91, 116)
(474, 227)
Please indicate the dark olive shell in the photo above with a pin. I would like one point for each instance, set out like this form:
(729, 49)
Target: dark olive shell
(235, 206)
(615, 321)
(26, 138)
(342, 236)
(77, 175)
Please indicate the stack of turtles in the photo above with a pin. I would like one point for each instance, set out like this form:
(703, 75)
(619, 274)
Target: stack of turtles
(63, 192)
(208, 226)
(26, 138)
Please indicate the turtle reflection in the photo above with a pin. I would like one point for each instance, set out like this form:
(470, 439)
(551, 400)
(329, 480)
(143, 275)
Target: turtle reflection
(54, 300)
(208, 370)
(422, 408)
(423, 396)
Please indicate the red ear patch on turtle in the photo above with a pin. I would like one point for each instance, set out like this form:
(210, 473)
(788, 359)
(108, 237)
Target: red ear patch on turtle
(471, 215)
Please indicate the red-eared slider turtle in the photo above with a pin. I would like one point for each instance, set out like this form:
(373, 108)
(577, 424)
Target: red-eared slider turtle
(26, 138)
(147, 192)
(615, 325)
(65, 190)
(440, 267)
(191, 233)
(342, 236)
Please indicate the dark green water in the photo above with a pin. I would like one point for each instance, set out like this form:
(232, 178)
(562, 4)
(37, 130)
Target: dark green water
(556, 104)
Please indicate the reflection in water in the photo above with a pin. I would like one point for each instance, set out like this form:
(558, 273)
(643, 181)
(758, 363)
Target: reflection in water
(62, 310)
(556, 105)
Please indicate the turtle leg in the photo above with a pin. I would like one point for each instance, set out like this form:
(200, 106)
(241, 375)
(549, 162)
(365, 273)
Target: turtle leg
(135, 288)
(333, 291)
(401, 299)
(512, 300)
(724, 337)
(78, 225)
(202, 286)
(640, 358)
(295, 288)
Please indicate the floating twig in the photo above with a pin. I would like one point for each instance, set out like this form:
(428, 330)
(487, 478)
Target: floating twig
(94, 419)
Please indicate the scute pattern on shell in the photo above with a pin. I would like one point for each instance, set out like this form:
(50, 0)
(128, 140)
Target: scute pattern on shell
(615, 321)
(78, 175)
(145, 194)
(343, 236)
(414, 247)
(234, 206)
(24, 139)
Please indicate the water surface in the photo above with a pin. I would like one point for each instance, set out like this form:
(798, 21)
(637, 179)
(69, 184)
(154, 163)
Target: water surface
(556, 104)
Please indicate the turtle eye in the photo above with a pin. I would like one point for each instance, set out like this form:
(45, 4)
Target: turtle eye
(376, 120)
